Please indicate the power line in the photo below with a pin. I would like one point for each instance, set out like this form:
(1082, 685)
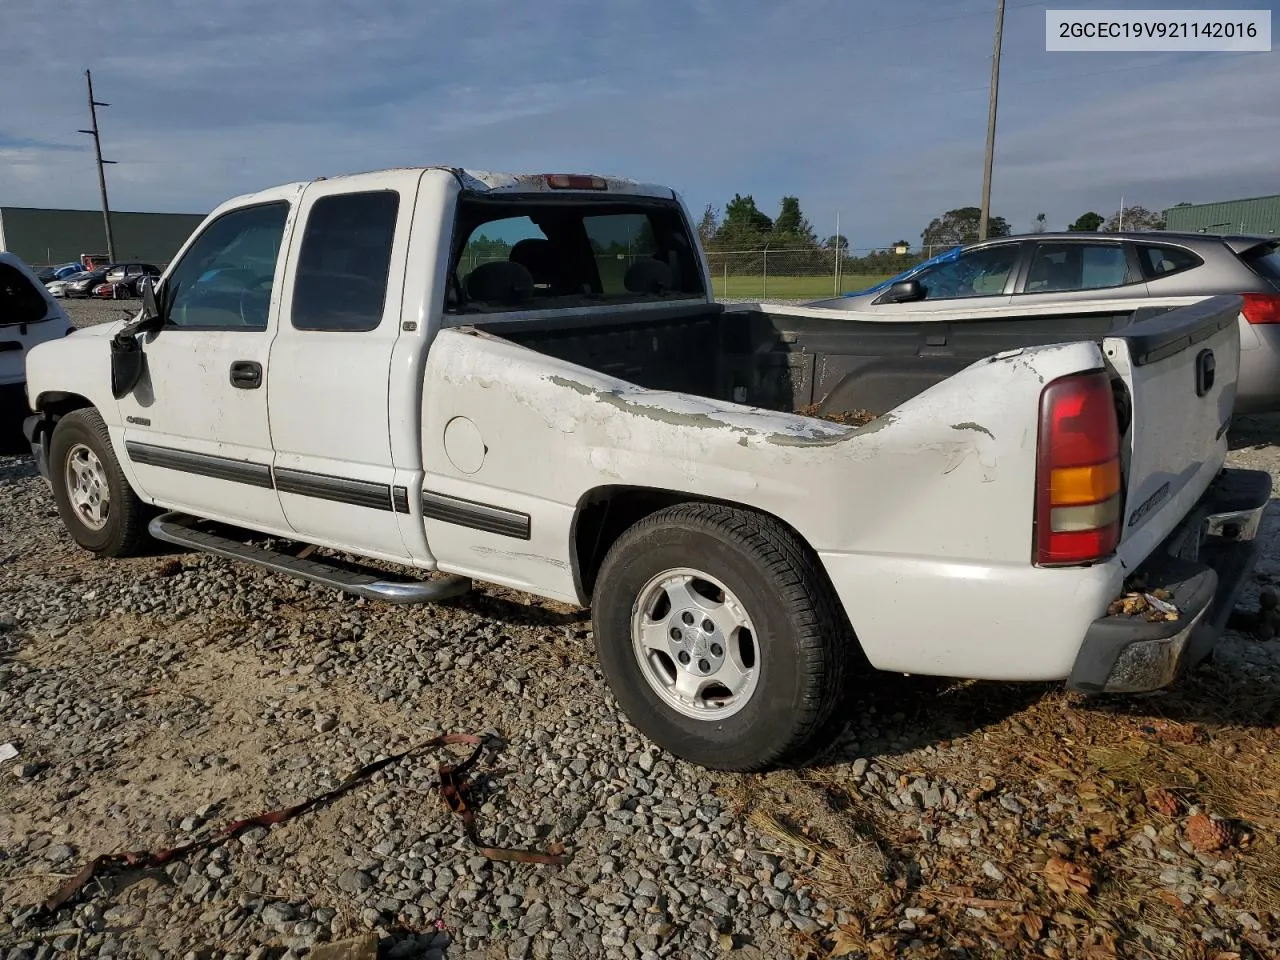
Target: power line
(102, 175)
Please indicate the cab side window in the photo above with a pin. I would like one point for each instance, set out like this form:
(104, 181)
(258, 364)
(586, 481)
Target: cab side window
(345, 259)
(224, 280)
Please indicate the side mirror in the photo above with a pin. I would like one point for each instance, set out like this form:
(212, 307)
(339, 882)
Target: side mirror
(904, 291)
(150, 309)
(128, 362)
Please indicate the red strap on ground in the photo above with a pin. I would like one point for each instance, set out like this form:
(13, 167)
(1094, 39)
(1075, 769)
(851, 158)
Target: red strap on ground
(453, 782)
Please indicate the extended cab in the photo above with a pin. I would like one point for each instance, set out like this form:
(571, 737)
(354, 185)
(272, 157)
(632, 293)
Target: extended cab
(525, 380)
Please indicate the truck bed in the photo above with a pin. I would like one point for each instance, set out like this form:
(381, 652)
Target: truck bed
(790, 359)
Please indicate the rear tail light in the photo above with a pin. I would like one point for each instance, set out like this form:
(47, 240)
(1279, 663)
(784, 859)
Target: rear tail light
(1262, 307)
(575, 181)
(1078, 472)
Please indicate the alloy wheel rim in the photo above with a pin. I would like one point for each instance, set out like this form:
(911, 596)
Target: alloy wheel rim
(87, 487)
(695, 644)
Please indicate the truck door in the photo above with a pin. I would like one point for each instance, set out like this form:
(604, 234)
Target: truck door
(195, 427)
(331, 363)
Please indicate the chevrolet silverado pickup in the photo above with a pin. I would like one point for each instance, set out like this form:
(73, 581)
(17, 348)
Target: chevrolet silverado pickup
(525, 380)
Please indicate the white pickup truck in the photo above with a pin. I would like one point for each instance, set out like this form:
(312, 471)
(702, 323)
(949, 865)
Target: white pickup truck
(525, 380)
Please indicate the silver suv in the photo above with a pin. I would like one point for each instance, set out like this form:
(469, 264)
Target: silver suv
(1091, 281)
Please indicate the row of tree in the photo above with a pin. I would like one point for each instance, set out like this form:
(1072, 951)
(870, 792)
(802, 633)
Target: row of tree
(740, 237)
(961, 225)
(743, 230)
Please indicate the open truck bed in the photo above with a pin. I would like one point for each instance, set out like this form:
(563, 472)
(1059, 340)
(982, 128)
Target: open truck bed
(928, 515)
(782, 357)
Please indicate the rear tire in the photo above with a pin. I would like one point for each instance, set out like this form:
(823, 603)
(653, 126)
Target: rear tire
(96, 503)
(721, 638)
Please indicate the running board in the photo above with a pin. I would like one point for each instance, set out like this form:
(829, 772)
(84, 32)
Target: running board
(180, 529)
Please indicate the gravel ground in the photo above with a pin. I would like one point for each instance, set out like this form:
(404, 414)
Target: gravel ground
(156, 699)
(85, 313)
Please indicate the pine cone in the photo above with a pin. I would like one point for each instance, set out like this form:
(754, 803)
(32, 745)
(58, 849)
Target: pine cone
(1207, 834)
(1163, 802)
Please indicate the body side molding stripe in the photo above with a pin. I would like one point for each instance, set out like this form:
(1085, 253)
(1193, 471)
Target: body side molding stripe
(203, 464)
(357, 493)
(478, 516)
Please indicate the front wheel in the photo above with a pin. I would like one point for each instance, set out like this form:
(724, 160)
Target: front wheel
(720, 637)
(96, 503)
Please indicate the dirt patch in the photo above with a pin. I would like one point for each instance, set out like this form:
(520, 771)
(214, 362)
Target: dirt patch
(851, 418)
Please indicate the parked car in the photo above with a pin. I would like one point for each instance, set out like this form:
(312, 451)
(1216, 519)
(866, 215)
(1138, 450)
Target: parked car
(82, 284)
(107, 290)
(49, 274)
(58, 288)
(622, 440)
(28, 316)
(136, 283)
(1099, 277)
(129, 276)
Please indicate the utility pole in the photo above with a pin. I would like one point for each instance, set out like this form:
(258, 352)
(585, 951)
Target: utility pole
(839, 255)
(102, 176)
(991, 124)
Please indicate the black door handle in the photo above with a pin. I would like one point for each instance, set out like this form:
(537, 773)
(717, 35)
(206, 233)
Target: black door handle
(246, 374)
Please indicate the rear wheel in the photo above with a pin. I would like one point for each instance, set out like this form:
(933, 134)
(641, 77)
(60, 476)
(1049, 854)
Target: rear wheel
(719, 636)
(96, 503)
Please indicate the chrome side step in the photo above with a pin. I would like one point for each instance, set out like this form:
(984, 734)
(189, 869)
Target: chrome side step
(180, 529)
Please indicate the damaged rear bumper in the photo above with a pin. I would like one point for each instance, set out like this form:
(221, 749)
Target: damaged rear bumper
(1203, 564)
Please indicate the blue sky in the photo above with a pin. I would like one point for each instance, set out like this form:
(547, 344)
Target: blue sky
(876, 111)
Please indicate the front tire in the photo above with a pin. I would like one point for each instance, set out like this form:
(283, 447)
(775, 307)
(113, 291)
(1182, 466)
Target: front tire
(720, 637)
(96, 503)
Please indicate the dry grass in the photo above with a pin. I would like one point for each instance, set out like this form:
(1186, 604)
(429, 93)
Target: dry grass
(817, 823)
(1214, 752)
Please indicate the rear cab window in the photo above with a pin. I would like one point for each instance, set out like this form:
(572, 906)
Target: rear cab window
(1264, 260)
(20, 301)
(532, 253)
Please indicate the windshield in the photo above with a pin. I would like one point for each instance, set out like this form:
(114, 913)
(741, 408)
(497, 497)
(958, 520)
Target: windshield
(530, 254)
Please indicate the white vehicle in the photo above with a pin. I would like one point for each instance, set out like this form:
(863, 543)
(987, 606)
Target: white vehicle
(525, 380)
(58, 288)
(28, 315)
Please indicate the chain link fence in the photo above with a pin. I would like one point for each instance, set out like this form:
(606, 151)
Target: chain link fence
(766, 274)
(804, 274)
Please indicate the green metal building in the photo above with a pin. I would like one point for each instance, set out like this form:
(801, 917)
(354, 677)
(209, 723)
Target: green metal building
(41, 237)
(1257, 215)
